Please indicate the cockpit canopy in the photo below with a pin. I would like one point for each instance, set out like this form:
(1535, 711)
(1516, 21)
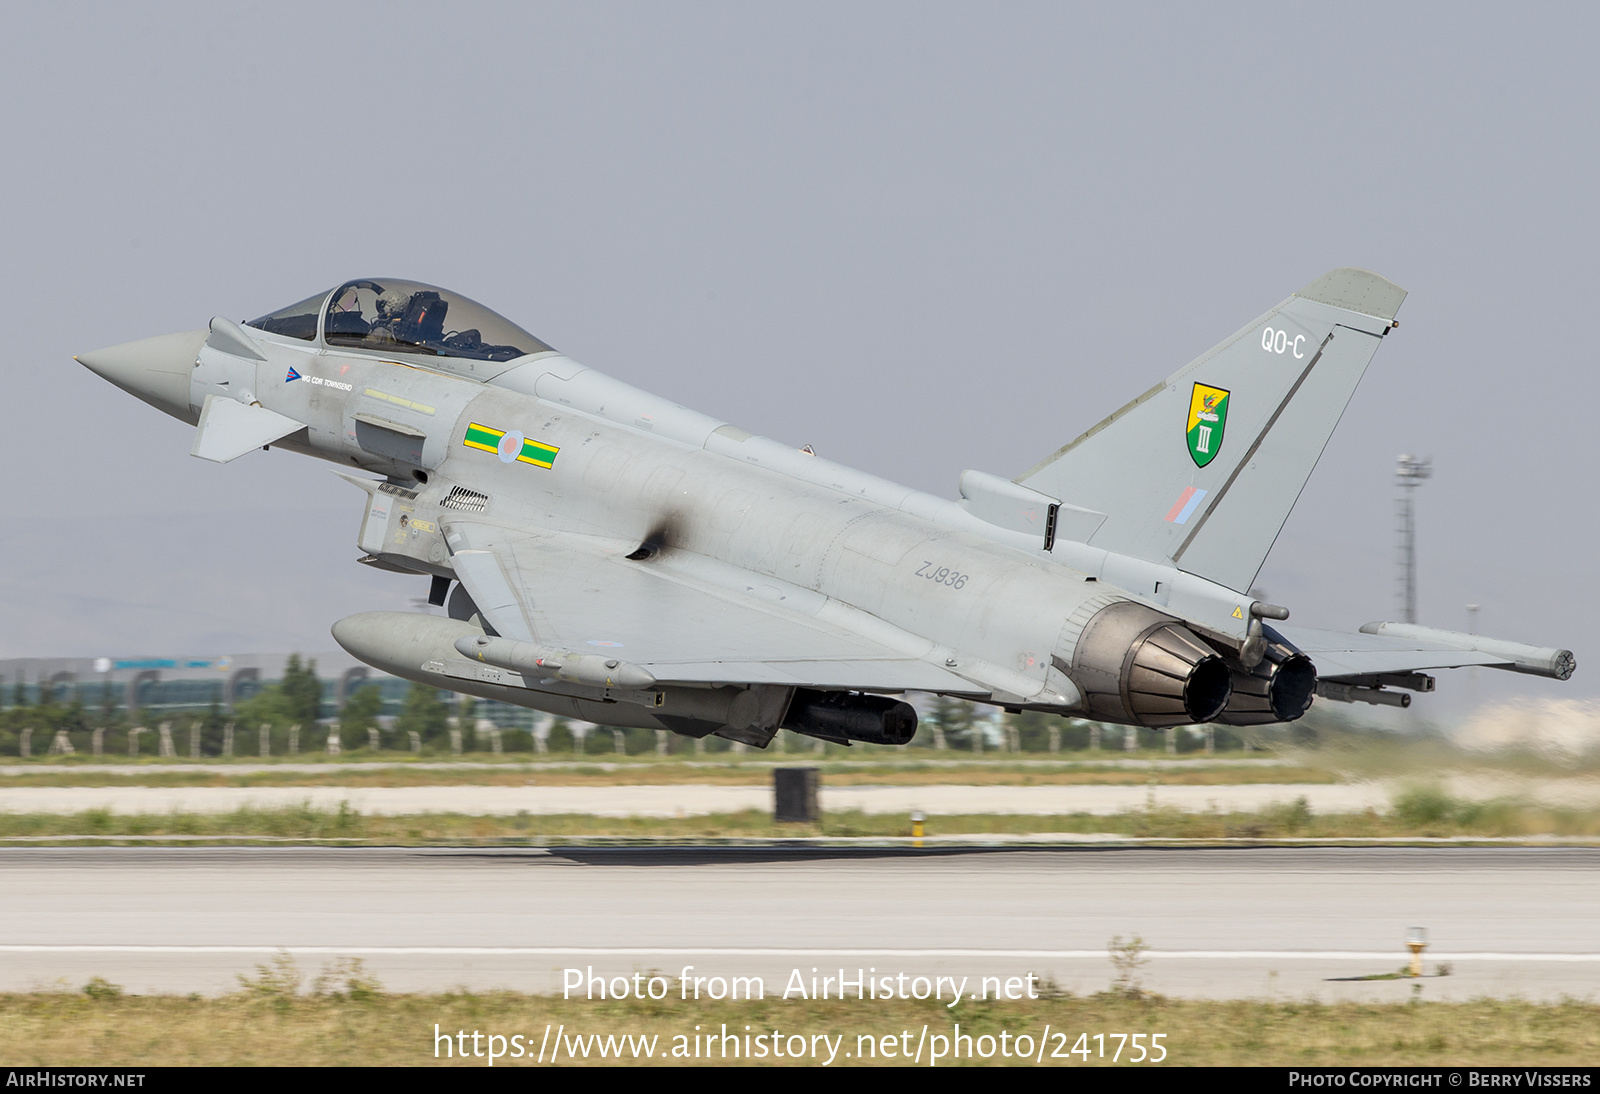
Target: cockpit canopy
(407, 317)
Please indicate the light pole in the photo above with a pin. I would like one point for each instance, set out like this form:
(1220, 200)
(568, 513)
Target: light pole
(1409, 473)
(1472, 680)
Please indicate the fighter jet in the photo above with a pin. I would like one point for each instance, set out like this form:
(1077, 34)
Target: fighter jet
(608, 555)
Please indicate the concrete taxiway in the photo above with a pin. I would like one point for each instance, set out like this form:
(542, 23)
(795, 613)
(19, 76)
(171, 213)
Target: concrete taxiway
(1290, 923)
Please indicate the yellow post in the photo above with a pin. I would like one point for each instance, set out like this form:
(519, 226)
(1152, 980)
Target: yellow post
(1416, 942)
(916, 828)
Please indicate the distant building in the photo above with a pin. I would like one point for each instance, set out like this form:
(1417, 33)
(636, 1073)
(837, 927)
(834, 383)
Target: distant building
(180, 682)
(169, 684)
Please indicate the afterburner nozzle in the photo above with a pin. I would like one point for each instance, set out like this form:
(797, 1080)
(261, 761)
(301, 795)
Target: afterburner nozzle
(1138, 666)
(1278, 688)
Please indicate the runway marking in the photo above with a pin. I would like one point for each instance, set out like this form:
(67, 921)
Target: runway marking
(734, 951)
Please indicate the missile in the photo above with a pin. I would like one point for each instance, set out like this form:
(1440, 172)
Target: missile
(593, 669)
(1533, 660)
(400, 642)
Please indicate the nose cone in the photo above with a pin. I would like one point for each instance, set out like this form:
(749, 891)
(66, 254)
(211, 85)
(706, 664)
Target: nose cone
(156, 370)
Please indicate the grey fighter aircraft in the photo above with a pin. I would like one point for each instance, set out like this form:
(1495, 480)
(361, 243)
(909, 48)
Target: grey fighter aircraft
(609, 555)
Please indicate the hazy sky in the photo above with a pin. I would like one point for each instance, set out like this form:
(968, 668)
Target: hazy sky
(919, 237)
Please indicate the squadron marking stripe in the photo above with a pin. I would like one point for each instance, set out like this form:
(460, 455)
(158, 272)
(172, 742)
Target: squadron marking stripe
(486, 438)
(482, 437)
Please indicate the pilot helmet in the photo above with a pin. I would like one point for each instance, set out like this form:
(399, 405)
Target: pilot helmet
(392, 303)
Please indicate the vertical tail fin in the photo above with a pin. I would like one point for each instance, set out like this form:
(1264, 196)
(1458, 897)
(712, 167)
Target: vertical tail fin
(1202, 470)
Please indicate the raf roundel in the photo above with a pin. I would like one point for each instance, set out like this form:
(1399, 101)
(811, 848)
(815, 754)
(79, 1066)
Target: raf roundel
(510, 447)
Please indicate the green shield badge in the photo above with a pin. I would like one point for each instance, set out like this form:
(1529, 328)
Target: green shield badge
(1208, 416)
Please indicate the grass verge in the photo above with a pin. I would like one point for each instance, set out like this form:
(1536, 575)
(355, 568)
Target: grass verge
(1422, 813)
(353, 1021)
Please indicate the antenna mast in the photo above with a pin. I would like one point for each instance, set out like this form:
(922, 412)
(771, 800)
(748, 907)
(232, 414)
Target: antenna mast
(1409, 473)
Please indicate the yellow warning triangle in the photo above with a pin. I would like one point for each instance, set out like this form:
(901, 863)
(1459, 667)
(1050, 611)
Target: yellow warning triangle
(1238, 613)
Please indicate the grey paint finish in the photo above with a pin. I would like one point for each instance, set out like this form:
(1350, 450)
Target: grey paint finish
(1231, 539)
(1357, 291)
(603, 518)
(1287, 379)
(228, 429)
(155, 370)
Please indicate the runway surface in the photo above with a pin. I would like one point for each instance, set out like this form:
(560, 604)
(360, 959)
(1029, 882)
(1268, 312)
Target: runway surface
(1232, 923)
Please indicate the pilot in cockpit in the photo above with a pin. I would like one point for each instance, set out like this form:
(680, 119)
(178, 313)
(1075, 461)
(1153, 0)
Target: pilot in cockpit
(407, 317)
(392, 305)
